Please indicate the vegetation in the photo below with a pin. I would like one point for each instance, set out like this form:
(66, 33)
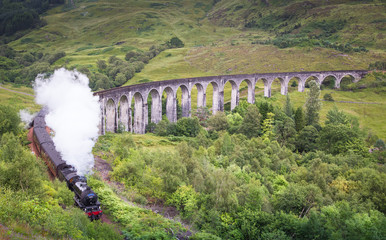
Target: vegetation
(314, 182)
(282, 168)
(30, 203)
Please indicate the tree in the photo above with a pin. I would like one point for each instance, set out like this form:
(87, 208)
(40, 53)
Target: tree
(120, 79)
(298, 198)
(9, 120)
(251, 122)
(234, 121)
(175, 42)
(218, 121)
(306, 140)
(299, 119)
(328, 97)
(18, 168)
(341, 133)
(202, 113)
(285, 132)
(101, 65)
(288, 107)
(264, 108)
(189, 127)
(340, 138)
(313, 104)
(268, 126)
(185, 199)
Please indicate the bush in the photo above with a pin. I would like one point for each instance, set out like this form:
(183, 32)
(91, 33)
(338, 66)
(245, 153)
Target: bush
(175, 42)
(328, 97)
(189, 127)
(380, 144)
(9, 120)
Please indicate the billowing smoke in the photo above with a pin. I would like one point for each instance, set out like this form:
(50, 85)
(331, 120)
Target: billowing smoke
(73, 115)
(26, 117)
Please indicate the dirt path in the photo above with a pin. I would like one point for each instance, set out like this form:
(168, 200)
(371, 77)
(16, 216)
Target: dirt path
(16, 91)
(353, 102)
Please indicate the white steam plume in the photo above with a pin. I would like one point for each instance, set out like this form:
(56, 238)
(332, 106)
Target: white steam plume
(73, 114)
(26, 117)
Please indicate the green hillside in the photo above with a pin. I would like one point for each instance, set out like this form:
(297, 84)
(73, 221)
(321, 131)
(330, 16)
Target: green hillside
(269, 170)
(214, 35)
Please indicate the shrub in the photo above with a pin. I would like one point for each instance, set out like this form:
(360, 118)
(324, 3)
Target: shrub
(175, 42)
(9, 120)
(328, 97)
(380, 144)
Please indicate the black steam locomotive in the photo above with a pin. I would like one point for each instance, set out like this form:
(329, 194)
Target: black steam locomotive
(85, 198)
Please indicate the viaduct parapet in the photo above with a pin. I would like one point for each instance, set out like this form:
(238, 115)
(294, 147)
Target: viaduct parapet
(116, 104)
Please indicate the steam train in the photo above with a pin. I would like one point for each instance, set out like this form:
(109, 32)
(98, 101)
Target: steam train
(84, 198)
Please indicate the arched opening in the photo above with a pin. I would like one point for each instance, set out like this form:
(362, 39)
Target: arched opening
(293, 84)
(247, 91)
(209, 91)
(110, 116)
(123, 114)
(139, 122)
(259, 88)
(346, 81)
(198, 96)
(328, 82)
(309, 79)
(265, 83)
(276, 86)
(170, 104)
(154, 106)
(183, 102)
(231, 95)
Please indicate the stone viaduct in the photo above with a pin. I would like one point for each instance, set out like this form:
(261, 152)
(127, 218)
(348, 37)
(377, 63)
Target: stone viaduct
(116, 104)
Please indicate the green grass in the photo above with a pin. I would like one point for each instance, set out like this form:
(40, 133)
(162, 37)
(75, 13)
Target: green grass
(216, 43)
(371, 116)
(18, 100)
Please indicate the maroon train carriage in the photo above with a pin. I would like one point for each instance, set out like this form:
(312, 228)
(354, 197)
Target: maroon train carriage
(84, 197)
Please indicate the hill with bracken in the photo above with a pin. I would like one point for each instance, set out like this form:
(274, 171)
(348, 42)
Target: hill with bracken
(283, 168)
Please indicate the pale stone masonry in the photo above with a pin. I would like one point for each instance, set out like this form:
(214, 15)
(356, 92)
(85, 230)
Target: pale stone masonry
(116, 103)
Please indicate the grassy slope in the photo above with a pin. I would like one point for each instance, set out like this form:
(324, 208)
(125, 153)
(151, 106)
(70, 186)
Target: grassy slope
(91, 30)
(18, 100)
(371, 116)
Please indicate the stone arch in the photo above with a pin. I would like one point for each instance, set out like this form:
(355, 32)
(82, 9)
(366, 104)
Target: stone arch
(156, 106)
(295, 81)
(326, 81)
(310, 78)
(201, 95)
(339, 82)
(110, 115)
(267, 86)
(140, 120)
(234, 94)
(124, 115)
(171, 108)
(185, 101)
(283, 85)
(251, 90)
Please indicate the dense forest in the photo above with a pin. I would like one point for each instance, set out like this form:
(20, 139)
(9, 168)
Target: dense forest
(260, 172)
(23, 14)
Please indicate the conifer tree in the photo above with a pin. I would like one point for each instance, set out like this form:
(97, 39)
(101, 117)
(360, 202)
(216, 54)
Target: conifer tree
(288, 107)
(299, 119)
(268, 127)
(251, 122)
(313, 105)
